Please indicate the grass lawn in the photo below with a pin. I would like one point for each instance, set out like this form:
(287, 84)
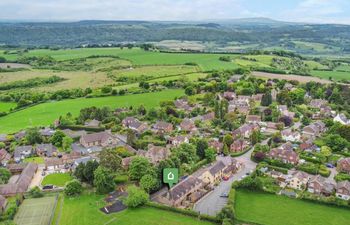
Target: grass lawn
(270, 209)
(45, 114)
(38, 160)
(57, 179)
(336, 75)
(6, 106)
(84, 210)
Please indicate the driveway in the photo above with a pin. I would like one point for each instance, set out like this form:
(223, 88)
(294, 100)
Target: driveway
(212, 203)
(36, 181)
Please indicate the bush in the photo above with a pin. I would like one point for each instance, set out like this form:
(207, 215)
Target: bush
(35, 192)
(73, 188)
(136, 197)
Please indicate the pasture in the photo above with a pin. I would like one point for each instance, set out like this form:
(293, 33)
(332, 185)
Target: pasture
(44, 114)
(36, 211)
(335, 75)
(84, 210)
(6, 106)
(269, 209)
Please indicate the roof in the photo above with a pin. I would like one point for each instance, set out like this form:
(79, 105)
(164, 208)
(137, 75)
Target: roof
(343, 184)
(100, 136)
(2, 201)
(184, 187)
(74, 133)
(217, 167)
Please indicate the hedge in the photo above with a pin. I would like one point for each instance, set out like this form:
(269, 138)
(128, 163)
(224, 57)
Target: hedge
(236, 154)
(185, 212)
(279, 169)
(78, 127)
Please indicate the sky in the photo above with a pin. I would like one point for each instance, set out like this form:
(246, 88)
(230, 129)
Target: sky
(313, 11)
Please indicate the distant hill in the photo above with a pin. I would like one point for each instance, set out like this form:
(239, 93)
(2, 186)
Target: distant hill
(258, 33)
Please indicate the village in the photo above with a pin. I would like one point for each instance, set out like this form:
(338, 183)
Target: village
(216, 141)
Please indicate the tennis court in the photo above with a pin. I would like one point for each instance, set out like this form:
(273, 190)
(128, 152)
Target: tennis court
(36, 211)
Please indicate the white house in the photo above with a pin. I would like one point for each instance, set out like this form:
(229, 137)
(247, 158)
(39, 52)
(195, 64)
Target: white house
(341, 118)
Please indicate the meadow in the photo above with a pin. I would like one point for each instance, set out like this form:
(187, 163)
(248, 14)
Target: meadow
(84, 210)
(44, 114)
(268, 209)
(335, 75)
(6, 106)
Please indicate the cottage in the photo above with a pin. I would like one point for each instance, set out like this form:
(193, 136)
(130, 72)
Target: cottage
(234, 78)
(253, 119)
(216, 144)
(22, 152)
(52, 164)
(162, 127)
(318, 103)
(271, 127)
(286, 156)
(343, 190)
(93, 123)
(179, 195)
(229, 95)
(187, 125)
(74, 133)
(343, 165)
(213, 174)
(245, 131)
(318, 185)
(5, 157)
(341, 118)
(135, 125)
(183, 104)
(178, 140)
(299, 180)
(3, 138)
(257, 97)
(46, 150)
(314, 130)
(47, 132)
(239, 145)
(103, 139)
(289, 135)
(209, 116)
(155, 154)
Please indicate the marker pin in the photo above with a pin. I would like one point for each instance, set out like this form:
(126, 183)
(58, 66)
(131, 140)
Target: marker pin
(170, 176)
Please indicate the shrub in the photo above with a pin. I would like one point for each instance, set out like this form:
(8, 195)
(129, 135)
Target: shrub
(35, 192)
(136, 197)
(73, 188)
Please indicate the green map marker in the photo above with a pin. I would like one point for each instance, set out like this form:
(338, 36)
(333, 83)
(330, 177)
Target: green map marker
(170, 176)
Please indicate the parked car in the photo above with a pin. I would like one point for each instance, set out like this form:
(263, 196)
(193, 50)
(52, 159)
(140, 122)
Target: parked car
(225, 178)
(224, 195)
(330, 165)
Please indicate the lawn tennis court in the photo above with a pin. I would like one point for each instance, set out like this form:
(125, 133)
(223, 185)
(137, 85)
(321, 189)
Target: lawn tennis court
(36, 211)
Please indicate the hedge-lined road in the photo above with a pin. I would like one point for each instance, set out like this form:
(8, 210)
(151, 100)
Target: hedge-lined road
(212, 203)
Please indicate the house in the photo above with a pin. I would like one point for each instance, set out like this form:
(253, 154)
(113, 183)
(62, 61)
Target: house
(47, 132)
(46, 150)
(179, 195)
(318, 103)
(289, 135)
(253, 119)
(209, 116)
(314, 130)
(103, 139)
(343, 165)
(216, 144)
(82, 160)
(20, 135)
(187, 125)
(308, 146)
(92, 123)
(343, 190)
(178, 140)
(15, 168)
(69, 158)
(234, 78)
(155, 154)
(285, 112)
(239, 145)
(5, 157)
(229, 95)
(74, 133)
(213, 174)
(271, 127)
(3, 204)
(245, 131)
(126, 162)
(53, 164)
(162, 127)
(21, 184)
(341, 118)
(299, 180)
(257, 97)
(318, 185)
(183, 104)
(3, 138)
(280, 178)
(22, 152)
(134, 124)
(286, 156)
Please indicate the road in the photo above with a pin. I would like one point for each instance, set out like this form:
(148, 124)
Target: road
(212, 203)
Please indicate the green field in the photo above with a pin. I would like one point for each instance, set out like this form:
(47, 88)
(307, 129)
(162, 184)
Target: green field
(84, 210)
(35, 211)
(6, 106)
(38, 160)
(45, 114)
(57, 179)
(271, 209)
(136, 55)
(336, 75)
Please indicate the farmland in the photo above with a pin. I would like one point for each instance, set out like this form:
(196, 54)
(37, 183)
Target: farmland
(270, 209)
(6, 106)
(45, 114)
(335, 75)
(85, 210)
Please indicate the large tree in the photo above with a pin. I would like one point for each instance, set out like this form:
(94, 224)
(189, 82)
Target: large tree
(139, 167)
(149, 183)
(201, 146)
(110, 159)
(33, 136)
(103, 180)
(136, 197)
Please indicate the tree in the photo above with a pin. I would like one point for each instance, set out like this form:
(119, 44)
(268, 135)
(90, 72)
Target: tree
(139, 167)
(79, 172)
(131, 137)
(67, 143)
(73, 188)
(255, 137)
(136, 197)
(228, 140)
(149, 183)
(35, 192)
(210, 154)
(4, 175)
(190, 90)
(259, 156)
(266, 99)
(89, 170)
(201, 146)
(326, 151)
(33, 136)
(110, 159)
(103, 180)
(57, 138)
